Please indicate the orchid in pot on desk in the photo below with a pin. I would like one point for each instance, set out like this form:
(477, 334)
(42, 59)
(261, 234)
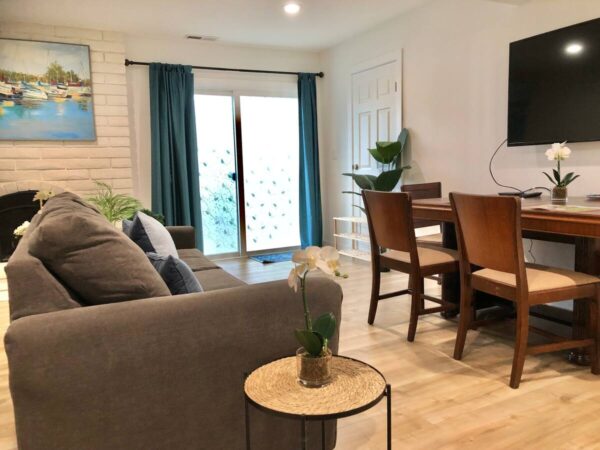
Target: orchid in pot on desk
(559, 152)
(314, 357)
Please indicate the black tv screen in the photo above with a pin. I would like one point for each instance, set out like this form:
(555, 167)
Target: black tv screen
(554, 86)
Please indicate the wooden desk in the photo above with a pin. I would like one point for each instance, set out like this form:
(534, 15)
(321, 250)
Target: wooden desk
(579, 228)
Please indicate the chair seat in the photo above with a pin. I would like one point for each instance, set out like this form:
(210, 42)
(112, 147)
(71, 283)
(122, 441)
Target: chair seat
(540, 278)
(429, 255)
(431, 239)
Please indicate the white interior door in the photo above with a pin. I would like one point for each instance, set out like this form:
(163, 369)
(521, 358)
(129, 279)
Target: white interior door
(375, 115)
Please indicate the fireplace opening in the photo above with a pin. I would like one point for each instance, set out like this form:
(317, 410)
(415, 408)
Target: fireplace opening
(15, 208)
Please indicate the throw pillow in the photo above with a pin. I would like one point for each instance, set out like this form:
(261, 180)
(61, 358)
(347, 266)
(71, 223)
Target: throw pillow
(90, 256)
(176, 274)
(152, 236)
(126, 226)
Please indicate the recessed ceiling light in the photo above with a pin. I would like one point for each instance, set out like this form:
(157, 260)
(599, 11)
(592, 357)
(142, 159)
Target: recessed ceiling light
(574, 48)
(291, 8)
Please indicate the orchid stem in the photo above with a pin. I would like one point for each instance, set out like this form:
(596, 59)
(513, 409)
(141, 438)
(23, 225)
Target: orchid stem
(307, 320)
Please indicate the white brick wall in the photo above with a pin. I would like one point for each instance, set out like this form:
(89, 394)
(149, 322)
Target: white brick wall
(74, 165)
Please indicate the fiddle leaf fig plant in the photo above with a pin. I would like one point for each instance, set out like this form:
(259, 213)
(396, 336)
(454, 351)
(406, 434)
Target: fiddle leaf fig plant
(389, 155)
(315, 336)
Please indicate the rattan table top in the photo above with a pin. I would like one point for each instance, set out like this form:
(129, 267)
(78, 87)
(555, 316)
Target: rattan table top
(355, 386)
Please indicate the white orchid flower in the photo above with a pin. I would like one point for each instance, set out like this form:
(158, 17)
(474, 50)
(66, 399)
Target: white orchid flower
(329, 260)
(21, 229)
(558, 152)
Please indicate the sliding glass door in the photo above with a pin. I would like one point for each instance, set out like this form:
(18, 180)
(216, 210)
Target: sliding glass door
(248, 155)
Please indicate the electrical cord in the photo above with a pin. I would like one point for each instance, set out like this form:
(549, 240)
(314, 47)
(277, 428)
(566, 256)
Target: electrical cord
(520, 191)
(530, 251)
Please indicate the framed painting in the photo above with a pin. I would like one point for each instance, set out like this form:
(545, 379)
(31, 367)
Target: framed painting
(45, 91)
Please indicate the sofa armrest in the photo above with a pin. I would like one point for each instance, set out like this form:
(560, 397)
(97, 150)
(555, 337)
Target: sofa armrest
(157, 373)
(183, 236)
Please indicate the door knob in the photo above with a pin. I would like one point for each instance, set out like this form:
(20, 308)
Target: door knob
(355, 166)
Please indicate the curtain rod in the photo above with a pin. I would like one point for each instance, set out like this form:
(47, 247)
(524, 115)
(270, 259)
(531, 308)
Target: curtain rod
(129, 62)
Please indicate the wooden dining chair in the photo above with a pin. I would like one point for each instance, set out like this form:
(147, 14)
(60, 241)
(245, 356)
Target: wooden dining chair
(420, 191)
(492, 261)
(391, 227)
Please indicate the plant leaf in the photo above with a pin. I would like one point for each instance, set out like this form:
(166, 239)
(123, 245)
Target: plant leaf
(376, 154)
(389, 151)
(556, 175)
(311, 341)
(325, 325)
(352, 192)
(386, 181)
(361, 208)
(571, 180)
(363, 181)
(550, 178)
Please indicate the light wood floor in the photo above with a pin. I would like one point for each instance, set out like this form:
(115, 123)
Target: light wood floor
(438, 403)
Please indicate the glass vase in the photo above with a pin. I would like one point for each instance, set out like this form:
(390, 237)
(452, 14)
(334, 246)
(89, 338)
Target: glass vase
(559, 195)
(313, 371)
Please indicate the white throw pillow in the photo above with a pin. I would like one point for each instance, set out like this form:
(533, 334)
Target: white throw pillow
(152, 236)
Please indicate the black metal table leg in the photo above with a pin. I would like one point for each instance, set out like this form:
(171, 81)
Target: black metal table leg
(388, 393)
(304, 433)
(247, 417)
(322, 434)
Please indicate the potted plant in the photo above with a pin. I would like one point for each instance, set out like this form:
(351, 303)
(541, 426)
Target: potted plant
(389, 155)
(313, 359)
(115, 207)
(559, 152)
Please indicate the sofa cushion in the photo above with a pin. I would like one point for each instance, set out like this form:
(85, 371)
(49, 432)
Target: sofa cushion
(90, 256)
(196, 259)
(176, 274)
(24, 295)
(214, 279)
(152, 236)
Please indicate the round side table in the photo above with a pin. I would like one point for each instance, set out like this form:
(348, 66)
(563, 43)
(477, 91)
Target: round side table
(355, 387)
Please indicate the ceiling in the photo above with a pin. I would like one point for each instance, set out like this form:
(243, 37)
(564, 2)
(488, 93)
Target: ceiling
(320, 23)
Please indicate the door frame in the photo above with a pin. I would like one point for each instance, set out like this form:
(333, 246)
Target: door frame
(236, 95)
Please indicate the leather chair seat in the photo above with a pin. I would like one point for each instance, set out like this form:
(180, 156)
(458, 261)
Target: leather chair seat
(429, 255)
(540, 278)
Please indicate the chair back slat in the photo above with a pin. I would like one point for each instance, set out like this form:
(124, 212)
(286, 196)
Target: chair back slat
(489, 231)
(390, 220)
(420, 191)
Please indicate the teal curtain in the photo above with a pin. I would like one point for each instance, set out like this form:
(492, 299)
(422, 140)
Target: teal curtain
(311, 221)
(175, 177)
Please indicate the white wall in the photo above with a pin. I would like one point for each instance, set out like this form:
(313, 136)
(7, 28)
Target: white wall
(70, 164)
(455, 89)
(182, 51)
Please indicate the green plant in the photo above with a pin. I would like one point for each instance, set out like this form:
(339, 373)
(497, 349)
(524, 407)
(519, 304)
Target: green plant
(389, 155)
(558, 152)
(316, 334)
(113, 206)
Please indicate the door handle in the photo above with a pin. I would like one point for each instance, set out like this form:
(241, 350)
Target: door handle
(355, 166)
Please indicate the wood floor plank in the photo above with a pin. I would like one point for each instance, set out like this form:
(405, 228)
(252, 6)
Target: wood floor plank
(438, 403)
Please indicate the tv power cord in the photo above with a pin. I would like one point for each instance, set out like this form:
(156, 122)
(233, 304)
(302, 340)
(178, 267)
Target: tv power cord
(528, 193)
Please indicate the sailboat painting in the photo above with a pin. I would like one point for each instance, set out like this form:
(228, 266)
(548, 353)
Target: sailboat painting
(45, 91)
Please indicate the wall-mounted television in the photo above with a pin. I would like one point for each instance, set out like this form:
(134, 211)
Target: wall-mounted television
(554, 86)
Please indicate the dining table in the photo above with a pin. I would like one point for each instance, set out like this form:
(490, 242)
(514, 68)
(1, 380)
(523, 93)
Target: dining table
(576, 223)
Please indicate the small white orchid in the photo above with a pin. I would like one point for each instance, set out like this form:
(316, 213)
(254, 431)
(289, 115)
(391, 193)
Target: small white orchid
(21, 229)
(315, 336)
(558, 152)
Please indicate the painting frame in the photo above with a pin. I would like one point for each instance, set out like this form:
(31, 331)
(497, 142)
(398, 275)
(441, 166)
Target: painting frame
(78, 101)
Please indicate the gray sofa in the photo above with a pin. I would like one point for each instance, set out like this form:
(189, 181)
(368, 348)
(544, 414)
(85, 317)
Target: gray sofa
(156, 373)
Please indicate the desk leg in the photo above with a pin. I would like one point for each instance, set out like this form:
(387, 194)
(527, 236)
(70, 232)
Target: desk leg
(322, 434)
(450, 281)
(388, 393)
(587, 260)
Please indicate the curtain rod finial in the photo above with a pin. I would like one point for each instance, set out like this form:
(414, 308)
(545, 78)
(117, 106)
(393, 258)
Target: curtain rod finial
(320, 74)
(127, 62)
